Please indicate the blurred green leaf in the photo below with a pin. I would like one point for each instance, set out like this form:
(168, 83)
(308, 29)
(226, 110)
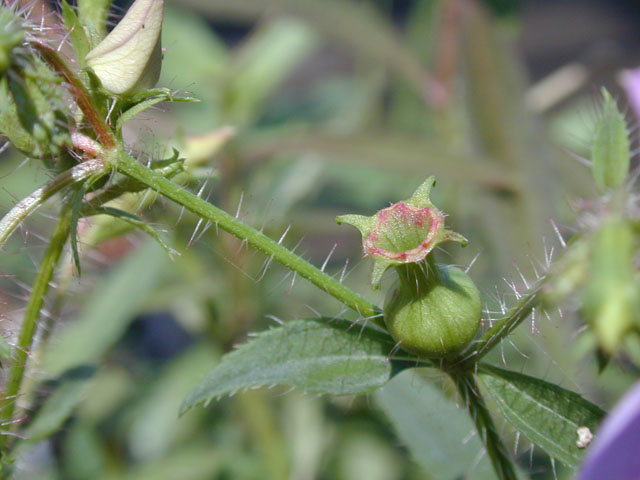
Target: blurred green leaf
(84, 454)
(149, 98)
(612, 296)
(610, 155)
(434, 429)
(135, 222)
(5, 348)
(356, 25)
(153, 423)
(394, 152)
(545, 413)
(77, 35)
(269, 58)
(320, 355)
(195, 461)
(108, 311)
(10, 125)
(93, 16)
(196, 59)
(61, 405)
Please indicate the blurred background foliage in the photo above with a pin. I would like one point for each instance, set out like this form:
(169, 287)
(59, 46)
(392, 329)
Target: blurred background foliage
(309, 109)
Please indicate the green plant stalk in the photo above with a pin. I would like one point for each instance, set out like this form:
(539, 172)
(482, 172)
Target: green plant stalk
(130, 167)
(29, 326)
(503, 327)
(27, 205)
(496, 450)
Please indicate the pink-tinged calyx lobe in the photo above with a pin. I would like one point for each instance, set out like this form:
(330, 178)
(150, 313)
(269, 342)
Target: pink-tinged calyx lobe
(405, 232)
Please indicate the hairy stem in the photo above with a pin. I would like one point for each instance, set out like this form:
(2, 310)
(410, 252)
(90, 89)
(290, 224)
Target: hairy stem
(256, 239)
(27, 205)
(80, 94)
(504, 326)
(496, 450)
(30, 322)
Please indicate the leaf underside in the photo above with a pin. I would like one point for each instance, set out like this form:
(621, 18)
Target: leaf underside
(433, 428)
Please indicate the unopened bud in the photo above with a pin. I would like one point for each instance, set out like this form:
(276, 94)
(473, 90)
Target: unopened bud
(130, 57)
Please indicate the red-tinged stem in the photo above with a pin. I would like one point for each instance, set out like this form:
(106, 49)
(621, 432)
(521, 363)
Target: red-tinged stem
(81, 95)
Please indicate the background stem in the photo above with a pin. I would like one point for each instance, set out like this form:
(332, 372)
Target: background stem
(29, 326)
(130, 167)
(27, 205)
(500, 459)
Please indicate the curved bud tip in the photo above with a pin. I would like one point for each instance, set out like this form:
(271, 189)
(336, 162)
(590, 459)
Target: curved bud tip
(130, 57)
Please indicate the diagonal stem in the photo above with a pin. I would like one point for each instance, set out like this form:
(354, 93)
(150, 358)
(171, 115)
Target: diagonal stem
(133, 169)
(80, 94)
(503, 327)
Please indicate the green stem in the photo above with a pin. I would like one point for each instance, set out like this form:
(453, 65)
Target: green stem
(29, 326)
(256, 239)
(496, 450)
(503, 327)
(27, 205)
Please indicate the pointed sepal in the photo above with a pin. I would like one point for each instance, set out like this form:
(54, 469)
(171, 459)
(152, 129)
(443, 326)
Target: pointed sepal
(405, 232)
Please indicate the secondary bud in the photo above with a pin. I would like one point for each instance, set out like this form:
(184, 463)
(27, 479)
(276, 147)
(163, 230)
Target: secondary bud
(130, 57)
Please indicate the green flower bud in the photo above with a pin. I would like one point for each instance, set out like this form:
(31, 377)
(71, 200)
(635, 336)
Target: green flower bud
(433, 314)
(433, 310)
(130, 57)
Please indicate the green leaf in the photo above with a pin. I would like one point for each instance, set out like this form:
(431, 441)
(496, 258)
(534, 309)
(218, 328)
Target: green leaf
(76, 202)
(546, 413)
(147, 99)
(93, 16)
(434, 429)
(152, 421)
(193, 461)
(61, 405)
(321, 355)
(610, 155)
(357, 26)
(77, 35)
(108, 311)
(5, 348)
(266, 61)
(135, 222)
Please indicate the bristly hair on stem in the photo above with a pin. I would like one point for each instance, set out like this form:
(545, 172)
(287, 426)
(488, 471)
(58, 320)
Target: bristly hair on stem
(496, 450)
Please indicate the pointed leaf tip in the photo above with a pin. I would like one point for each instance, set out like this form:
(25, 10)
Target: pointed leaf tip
(610, 152)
